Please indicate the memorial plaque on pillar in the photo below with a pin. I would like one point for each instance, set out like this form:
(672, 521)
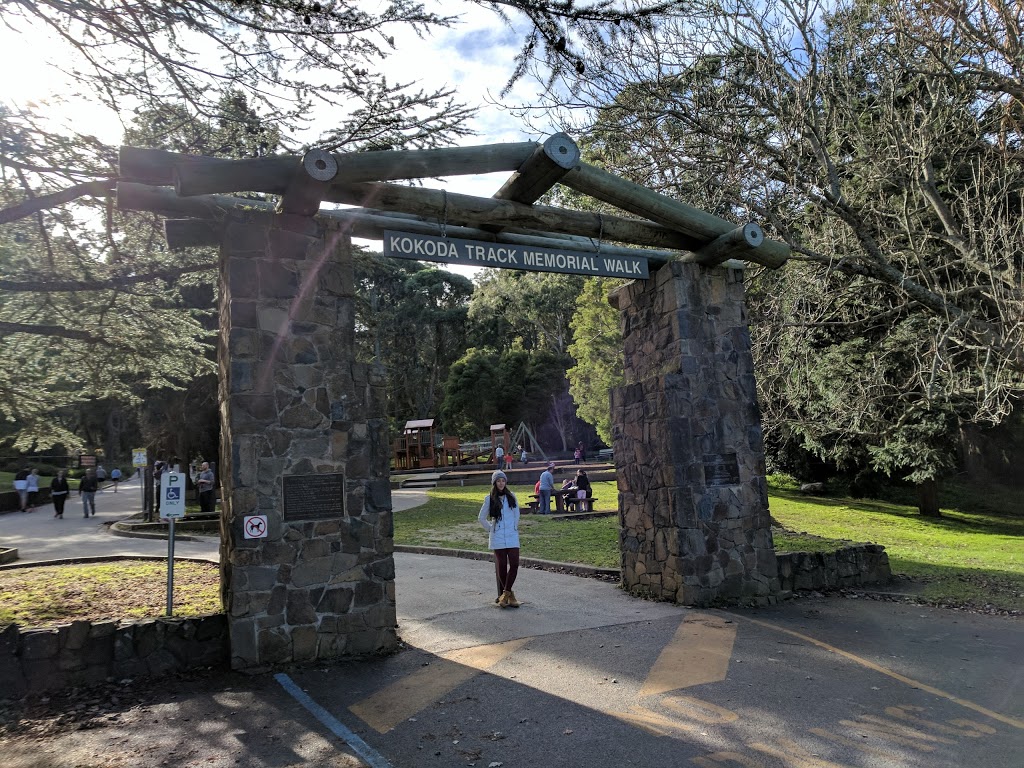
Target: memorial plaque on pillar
(721, 469)
(314, 497)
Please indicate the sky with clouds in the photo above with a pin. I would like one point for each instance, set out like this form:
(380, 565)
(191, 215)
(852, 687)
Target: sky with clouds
(475, 57)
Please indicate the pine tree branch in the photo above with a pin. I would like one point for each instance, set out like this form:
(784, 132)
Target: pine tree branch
(52, 330)
(110, 283)
(44, 202)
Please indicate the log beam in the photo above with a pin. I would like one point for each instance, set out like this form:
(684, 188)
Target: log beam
(310, 184)
(210, 210)
(700, 225)
(541, 171)
(193, 175)
(464, 210)
(740, 243)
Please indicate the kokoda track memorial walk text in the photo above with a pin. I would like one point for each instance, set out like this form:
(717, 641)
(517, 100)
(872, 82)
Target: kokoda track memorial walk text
(477, 253)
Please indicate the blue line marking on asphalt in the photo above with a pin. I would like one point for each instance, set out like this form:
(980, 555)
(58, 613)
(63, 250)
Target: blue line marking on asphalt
(360, 747)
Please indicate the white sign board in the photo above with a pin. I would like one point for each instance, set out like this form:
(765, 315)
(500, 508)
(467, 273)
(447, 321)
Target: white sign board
(255, 527)
(172, 495)
(138, 457)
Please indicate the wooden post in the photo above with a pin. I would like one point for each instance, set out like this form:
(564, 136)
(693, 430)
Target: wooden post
(541, 171)
(309, 184)
(739, 243)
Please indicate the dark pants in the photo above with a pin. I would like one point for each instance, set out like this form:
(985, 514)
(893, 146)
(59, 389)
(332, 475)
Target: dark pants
(58, 504)
(506, 568)
(206, 501)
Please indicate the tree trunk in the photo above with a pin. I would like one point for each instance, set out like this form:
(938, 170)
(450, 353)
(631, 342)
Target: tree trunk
(928, 499)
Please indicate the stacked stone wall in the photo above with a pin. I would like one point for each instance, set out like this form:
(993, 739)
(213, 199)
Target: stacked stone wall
(297, 412)
(848, 567)
(87, 653)
(693, 504)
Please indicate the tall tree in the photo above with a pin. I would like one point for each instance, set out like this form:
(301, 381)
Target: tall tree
(228, 78)
(882, 141)
(597, 349)
(411, 318)
(529, 309)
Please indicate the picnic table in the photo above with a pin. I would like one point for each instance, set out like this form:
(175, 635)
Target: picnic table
(565, 501)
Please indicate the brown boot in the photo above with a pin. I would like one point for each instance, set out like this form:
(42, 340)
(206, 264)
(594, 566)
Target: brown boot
(510, 600)
(503, 600)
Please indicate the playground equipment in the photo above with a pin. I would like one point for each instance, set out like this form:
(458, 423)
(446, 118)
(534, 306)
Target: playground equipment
(420, 447)
(415, 448)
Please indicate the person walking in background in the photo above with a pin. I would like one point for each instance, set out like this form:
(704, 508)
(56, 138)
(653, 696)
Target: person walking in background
(87, 488)
(21, 486)
(499, 457)
(499, 516)
(115, 475)
(547, 485)
(204, 484)
(59, 493)
(522, 456)
(509, 458)
(32, 487)
(577, 455)
(101, 473)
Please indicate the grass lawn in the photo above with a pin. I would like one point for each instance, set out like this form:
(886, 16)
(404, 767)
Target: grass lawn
(127, 589)
(973, 555)
(449, 519)
(7, 481)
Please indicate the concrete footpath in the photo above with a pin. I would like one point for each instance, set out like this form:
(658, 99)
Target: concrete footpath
(581, 674)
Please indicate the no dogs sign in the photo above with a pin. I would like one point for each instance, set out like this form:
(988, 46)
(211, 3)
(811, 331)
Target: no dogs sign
(254, 527)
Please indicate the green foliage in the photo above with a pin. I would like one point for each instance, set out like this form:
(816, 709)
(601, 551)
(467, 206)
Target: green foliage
(597, 349)
(530, 310)
(411, 319)
(882, 141)
(485, 387)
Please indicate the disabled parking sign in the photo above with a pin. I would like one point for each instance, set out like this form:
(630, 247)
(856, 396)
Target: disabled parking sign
(172, 495)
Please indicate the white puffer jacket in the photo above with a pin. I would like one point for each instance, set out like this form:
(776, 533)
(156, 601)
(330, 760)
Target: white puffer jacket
(504, 533)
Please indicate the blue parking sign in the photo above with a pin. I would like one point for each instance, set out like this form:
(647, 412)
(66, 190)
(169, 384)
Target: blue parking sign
(172, 495)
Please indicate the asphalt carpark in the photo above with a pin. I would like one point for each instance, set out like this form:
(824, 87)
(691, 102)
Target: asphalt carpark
(583, 674)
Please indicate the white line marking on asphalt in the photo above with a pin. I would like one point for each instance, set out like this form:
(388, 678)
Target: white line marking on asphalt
(373, 758)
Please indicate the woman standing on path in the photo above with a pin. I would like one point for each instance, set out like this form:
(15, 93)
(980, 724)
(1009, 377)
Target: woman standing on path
(59, 493)
(499, 516)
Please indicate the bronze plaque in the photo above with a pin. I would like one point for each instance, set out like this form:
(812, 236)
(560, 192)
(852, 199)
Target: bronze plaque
(314, 497)
(721, 469)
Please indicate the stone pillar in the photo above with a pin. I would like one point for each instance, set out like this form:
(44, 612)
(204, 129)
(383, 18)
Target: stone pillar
(693, 504)
(304, 445)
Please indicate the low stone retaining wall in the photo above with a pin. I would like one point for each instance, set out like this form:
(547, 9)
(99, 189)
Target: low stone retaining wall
(86, 653)
(848, 567)
(9, 499)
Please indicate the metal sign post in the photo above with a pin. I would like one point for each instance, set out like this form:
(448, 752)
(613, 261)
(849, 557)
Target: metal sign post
(139, 462)
(172, 507)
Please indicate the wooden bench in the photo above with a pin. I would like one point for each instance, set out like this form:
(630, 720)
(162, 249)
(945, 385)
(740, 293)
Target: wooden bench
(534, 505)
(573, 504)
